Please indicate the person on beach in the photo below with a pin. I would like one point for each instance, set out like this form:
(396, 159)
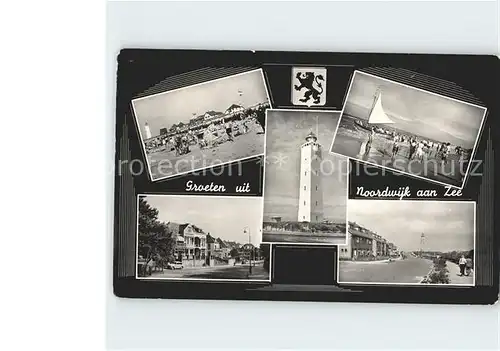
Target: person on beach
(229, 130)
(395, 146)
(413, 147)
(468, 266)
(445, 153)
(420, 151)
(462, 263)
(368, 145)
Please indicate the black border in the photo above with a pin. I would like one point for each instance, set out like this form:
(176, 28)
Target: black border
(140, 69)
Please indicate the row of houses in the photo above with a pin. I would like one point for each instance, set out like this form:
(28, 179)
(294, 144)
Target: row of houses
(193, 243)
(208, 117)
(362, 242)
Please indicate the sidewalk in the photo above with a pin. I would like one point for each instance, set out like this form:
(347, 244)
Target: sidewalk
(385, 260)
(454, 275)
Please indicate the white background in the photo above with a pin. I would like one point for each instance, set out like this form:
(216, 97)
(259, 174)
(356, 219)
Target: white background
(57, 76)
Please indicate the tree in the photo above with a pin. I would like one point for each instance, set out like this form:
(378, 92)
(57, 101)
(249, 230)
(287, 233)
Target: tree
(156, 242)
(261, 117)
(265, 251)
(234, 253)
(439, 274)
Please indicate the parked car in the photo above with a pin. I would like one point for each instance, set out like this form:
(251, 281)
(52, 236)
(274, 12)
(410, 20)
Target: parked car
(175, 265)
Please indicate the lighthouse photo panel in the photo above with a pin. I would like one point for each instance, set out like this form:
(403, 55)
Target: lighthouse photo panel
(305, 187)
(204, 125)
(408, 130)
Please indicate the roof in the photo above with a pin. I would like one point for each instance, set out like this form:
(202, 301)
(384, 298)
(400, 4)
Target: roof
(233, 107)
(222, 244)
(178, 228)
(232, 244)
(247, 246)
(359, 230)
(210, 239)
(212, 113)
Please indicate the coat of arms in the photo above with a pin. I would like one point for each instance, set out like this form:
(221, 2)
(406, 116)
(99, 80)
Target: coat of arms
(309, 86)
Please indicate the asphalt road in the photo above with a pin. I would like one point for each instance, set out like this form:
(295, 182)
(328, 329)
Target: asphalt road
(218, 272)
(407, 271)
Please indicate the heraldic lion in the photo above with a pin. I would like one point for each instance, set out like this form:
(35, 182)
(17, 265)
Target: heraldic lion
(306, 81)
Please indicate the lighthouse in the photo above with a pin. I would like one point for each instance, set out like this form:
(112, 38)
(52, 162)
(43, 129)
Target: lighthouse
(147, 131)
(310, 192)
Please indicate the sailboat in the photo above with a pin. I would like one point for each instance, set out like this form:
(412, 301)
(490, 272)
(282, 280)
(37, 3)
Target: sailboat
(377, 114)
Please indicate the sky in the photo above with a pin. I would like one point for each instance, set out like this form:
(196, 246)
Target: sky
(165, 109)
(286, 131)
(446, 226)
(222, 217)
(417, 112)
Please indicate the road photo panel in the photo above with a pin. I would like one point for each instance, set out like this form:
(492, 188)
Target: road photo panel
(184, 237)
(203, 125)
(398, 242)
(408, 130)
(305, 187)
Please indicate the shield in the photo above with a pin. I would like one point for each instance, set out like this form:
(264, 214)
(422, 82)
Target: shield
(309, 86)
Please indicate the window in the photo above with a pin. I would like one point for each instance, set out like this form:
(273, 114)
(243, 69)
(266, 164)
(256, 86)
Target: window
(316, 203)
(316, 188)
(305, 173)
(316, 218)
(303, 217)
(304, 203)
(304, 187)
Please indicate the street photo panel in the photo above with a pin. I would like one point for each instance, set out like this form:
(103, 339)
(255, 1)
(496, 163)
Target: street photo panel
(399, 242)
(209, 238)
(408, 130)
(204, 125)
(305, 187)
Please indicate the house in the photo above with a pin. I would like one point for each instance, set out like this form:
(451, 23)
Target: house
(211, 114)
(247, 251)
(362, 242)
(191, 241)
(234, 109)
(224, 248)
(213, 246)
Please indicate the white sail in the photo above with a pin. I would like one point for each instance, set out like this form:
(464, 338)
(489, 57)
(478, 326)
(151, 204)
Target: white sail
(377, 114)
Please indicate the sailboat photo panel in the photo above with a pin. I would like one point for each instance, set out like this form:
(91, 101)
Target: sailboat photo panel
(409, 130)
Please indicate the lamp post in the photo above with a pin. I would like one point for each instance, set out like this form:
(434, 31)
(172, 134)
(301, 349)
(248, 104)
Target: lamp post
(247, 230)
(422, 238)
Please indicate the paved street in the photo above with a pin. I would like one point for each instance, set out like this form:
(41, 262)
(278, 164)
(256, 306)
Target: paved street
(407, 271)
(165, 163)
(454, 274)
(218, 272)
